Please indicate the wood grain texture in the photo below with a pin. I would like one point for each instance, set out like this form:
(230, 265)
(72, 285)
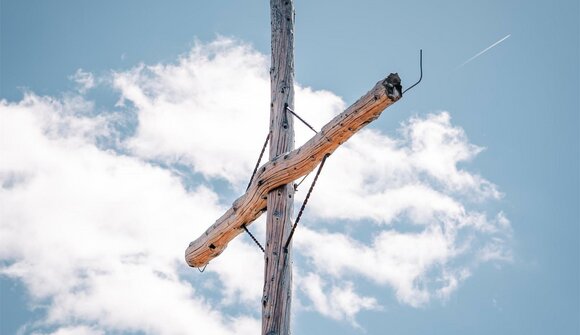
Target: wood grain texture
(277, 294)
(286, 168)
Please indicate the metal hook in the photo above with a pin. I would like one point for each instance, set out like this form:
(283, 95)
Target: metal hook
(202, 270)
(421, 67)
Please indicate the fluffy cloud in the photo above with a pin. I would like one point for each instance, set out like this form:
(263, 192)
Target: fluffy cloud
(80, 330)
(85, 80)
(417, 173)
(210, 109)
(96, 236)
(412, 186)
(97, 208)
(339, 302)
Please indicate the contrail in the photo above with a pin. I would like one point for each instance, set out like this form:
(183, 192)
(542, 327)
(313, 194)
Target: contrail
(483, 51)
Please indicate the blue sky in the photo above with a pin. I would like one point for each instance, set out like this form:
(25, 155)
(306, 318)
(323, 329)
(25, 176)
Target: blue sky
(83, 76)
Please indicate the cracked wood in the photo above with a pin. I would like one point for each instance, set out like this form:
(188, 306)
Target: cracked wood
(277, 294)
(290, 166)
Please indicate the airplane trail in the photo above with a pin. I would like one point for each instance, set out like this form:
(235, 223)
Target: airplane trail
(483, 51)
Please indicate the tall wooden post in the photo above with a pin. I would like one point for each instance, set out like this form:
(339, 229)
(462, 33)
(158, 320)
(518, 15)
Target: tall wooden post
(269, 189)
(276, 300)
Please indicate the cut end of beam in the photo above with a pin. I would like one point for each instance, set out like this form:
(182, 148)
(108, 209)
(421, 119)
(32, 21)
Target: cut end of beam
(393, 86)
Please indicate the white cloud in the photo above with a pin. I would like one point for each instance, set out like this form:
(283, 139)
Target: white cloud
(382, 178)
(97, 233)
(398, 259)
(98, 237)
(430, 209)
(80, 330)
(240, 270)
(206, 110)
(210, 109)
(339, 302)
(85, 80)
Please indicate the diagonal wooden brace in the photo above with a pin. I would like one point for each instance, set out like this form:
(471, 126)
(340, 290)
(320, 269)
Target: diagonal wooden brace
(289, 167)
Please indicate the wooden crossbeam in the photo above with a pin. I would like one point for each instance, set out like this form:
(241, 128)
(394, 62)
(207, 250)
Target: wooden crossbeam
(290, 166)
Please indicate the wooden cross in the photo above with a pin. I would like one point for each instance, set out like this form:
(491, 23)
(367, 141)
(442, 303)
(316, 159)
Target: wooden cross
(272, 188)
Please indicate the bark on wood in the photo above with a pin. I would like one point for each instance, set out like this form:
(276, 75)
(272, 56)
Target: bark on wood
(290, 166)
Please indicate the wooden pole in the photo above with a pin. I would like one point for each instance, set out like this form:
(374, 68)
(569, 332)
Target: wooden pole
(289, 167)
(277, 296)
(272, 187)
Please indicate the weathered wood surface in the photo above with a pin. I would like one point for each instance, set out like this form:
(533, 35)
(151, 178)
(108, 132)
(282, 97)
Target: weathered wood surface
(277, 294)
(288, 167)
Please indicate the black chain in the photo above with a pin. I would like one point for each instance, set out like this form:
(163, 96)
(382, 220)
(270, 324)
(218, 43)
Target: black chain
(305, 202)
(259, 160)
(299, 118)
(253, 238)
(250, 183)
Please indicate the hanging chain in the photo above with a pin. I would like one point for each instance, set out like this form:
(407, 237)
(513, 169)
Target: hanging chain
(259, 160)
(299, 118)
(305, 202)
(250, 183)
(253, 238)
(309, 126)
